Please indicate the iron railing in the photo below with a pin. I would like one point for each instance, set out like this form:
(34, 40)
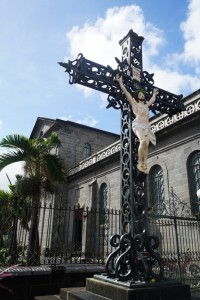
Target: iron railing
(179, 246)
(64, 234)
(82, 235)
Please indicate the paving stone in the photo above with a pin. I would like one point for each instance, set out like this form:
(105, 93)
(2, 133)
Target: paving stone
(48, 297)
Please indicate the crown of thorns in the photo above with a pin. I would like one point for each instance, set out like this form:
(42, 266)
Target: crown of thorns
(139, 91)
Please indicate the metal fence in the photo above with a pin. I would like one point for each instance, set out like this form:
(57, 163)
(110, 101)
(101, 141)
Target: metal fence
(179, 246)
(63, 235)
(81, 235)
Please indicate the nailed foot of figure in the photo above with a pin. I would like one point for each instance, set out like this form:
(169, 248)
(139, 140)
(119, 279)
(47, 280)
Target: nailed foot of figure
(142, 167)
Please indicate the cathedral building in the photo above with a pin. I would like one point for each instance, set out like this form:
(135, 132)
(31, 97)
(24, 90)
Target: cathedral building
(92, 159)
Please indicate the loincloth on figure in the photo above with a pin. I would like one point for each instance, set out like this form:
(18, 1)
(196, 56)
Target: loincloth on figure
(146, 129)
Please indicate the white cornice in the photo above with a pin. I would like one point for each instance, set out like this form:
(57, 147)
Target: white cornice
(106, 152)
(163, 121)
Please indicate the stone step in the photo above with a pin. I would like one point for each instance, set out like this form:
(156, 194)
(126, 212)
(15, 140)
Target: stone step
(65, 291)
(79, 294)
(49, 297)
(85, 295)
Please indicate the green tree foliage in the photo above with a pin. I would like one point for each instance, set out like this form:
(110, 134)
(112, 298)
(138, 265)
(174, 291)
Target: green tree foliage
(43, 170)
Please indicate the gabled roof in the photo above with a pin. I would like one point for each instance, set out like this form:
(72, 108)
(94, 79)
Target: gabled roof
(39, 122)
(58, 122)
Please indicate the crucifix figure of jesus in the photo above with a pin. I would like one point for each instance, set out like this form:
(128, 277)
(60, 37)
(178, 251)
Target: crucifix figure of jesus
(140, 125)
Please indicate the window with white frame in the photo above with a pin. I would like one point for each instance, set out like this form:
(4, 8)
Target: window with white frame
(86, 150)
(193, 165)
(157, 192)
(103, 204)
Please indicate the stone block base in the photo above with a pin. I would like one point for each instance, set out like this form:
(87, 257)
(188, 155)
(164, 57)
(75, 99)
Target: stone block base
(165, 290)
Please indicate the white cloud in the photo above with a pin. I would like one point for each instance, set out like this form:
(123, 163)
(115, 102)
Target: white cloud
(189, 58)
(174, 81)
(104, 102)
(88, 120)
(1, 124)
(67, 118)
(11, 171)
(99, 42)
(85, 90)
(190, 28)
(85, 120)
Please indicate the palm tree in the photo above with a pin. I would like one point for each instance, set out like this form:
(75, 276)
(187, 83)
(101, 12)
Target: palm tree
(43, 169)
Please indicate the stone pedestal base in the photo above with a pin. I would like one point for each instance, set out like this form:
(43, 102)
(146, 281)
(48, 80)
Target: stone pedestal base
(164, 290)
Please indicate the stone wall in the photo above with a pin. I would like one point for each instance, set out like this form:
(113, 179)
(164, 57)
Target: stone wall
(175, 143)
(84, 186)
(176, 140)
(28, 282)
(74, 136)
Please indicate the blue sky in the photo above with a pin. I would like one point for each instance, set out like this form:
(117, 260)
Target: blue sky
(35, 35)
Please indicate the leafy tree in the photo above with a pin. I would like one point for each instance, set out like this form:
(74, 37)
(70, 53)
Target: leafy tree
(4, 215)
(13, 209)
(43, 169)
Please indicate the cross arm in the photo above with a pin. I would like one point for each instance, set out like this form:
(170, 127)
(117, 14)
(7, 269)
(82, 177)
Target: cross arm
(92, 75)
(166, 102)
(98, 77)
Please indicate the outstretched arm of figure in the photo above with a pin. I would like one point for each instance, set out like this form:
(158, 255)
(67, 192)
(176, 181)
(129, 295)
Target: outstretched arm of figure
(153, 98)
(130, 99)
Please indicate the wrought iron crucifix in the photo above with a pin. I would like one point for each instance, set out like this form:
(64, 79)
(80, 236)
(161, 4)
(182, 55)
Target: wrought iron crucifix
(135, 251)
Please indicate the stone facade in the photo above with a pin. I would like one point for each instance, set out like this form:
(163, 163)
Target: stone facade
(177, 137)
(84, 186)
(85, 175)
(81, 188)
(73, 137)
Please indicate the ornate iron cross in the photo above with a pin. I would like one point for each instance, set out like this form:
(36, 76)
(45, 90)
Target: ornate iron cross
(135, 251)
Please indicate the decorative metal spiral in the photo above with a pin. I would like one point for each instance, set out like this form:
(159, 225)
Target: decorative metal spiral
(134, 258)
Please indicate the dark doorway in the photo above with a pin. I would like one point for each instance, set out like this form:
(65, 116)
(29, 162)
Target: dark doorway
(78, 224)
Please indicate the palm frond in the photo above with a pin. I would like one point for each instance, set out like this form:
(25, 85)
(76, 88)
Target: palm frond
(44, 145)
(4, 197)
(27, 187)
(17, 141)
(12, 157)
(55, 167)
(13, 141)
(53, 140)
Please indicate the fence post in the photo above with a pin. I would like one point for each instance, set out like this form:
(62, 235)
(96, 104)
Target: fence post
(178, 250)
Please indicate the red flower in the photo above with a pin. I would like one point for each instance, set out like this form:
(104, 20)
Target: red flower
(5, 275)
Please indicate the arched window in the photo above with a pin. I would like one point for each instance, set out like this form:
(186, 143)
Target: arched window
(86, 150)
(157, 193)
(194, 179)
(103, 204)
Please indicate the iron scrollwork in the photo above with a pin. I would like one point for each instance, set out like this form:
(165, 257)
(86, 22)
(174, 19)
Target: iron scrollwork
(98, 77)
(134, 259)
(136, 255)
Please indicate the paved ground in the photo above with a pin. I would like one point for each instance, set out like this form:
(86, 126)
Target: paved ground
(195, 293)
